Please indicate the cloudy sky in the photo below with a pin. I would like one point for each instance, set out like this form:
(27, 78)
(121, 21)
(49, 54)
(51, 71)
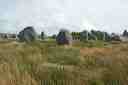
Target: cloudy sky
(75, 15)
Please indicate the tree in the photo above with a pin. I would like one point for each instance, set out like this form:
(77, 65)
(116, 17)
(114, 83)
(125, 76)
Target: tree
(75, 35)
(54, 36)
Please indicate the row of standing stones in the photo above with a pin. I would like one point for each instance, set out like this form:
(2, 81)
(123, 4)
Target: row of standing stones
(64, 37)
(28, 34)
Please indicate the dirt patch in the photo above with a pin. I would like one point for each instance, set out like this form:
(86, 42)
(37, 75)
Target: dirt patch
(95, 51)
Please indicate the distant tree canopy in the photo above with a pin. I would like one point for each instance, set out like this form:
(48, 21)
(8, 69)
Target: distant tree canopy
(75, 35)
(54, 36)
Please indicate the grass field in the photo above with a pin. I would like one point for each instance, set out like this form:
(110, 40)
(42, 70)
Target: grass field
(90, 63)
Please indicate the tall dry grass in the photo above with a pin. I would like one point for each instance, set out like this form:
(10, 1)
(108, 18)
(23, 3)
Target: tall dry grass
(29, 64)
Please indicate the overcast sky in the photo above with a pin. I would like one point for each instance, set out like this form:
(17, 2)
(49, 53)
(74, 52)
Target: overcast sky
(75, 15)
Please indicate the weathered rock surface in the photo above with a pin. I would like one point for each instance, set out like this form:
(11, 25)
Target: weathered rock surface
(64, 37)
(28, 34)
(115, 37)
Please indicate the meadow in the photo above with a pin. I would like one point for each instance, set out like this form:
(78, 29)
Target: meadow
(83, 63)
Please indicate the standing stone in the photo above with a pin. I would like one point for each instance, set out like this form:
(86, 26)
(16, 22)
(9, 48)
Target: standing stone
(84, 36)
(42, 35)
(64, 37)
(125, 33)
(115, 37)
(28, 34)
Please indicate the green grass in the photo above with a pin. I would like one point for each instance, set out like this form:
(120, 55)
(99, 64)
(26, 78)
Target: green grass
(91, 44)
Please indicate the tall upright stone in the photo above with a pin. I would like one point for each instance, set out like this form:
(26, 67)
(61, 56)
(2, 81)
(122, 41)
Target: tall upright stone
(125, 33)
(64, 37)
(28, 34)
(42, 35)
(84, 36)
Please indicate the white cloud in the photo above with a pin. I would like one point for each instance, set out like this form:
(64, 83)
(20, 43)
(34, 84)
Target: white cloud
(48, 14)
